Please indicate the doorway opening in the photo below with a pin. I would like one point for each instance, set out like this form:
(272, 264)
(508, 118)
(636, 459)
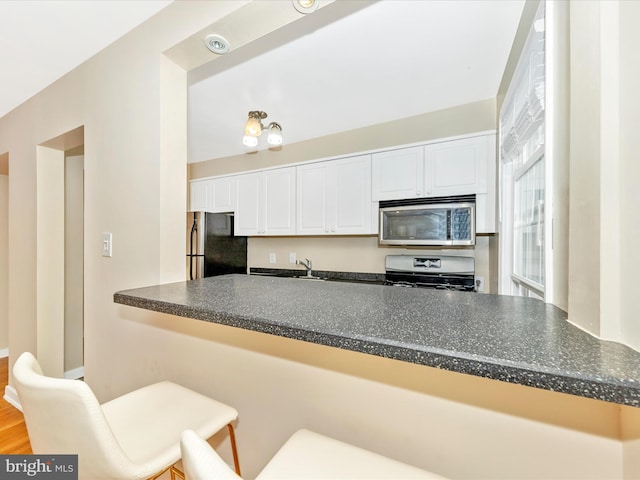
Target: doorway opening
(60, 250)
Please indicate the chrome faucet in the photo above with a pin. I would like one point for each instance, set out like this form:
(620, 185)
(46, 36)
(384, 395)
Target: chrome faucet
(306, 265)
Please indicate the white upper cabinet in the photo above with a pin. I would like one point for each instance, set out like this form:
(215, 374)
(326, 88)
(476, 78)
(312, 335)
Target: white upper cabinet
(313, 180)
(457, 167)
(223, 197)
(398, 174)
(340, 197)
(265, 203)
(216, 195)
(198, 195)
(334, 198)
(441, 169)
(454, 167)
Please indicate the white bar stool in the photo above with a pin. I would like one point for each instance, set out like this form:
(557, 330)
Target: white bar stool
(135, 436)
(306, 455)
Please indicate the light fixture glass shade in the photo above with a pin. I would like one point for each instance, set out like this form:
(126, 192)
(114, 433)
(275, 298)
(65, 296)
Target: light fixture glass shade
(250, 140)
(253, 127)
(275, 134)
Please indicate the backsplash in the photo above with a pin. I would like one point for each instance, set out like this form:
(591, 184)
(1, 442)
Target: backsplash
(352, 254)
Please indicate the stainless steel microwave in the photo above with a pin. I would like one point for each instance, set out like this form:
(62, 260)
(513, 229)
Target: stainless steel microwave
(446, 221)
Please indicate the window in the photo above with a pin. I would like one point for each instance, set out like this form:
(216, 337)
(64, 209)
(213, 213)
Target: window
(522, 172)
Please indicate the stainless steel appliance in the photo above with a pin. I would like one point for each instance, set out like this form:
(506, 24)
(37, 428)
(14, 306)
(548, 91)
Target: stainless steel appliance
(213, 249)
(445, 272)
(428, 221)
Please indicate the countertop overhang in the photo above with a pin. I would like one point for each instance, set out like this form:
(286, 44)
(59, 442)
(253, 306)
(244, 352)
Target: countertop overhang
(512, 339)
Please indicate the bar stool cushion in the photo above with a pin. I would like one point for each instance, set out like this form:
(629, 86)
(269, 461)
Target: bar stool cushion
(309, 455)
(148, 422)
(306, 455)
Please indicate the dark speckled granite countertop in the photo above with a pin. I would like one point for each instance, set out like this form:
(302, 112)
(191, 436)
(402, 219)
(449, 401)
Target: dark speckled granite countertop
(512, 339)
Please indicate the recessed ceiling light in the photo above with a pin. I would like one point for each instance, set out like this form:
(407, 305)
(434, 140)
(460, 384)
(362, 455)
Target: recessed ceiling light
(217, 43)
(305, 6)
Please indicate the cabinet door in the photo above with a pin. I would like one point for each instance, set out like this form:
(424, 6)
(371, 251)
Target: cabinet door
(221, 195)
(457, 167)
(248, 217)
(349, 199)
(398, 174)
(198, 195)
(279, 191)
(312, 199)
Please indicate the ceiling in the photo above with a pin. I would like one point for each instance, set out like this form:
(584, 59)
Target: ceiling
(42, 40)
(375, 62)
(391, 59)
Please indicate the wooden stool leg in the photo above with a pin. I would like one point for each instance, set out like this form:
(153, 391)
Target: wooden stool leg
(234, 449)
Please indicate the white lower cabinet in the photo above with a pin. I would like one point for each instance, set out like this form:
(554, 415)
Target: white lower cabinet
(266, 203)
(334, 198)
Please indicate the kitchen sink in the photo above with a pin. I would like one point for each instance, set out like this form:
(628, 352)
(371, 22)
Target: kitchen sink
(304, 277)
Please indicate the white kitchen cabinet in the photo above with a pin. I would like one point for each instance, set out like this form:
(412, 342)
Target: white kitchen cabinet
(398, 174)
(454, 167)
(222, 198)
(216, 195)
(334, 198)
(458, 167)
(266, 203)
(198, 195)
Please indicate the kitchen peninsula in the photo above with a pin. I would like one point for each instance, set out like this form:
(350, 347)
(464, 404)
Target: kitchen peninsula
(511, 339)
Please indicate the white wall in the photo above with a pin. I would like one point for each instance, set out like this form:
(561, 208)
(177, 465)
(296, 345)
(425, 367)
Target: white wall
(604, 185)
(73, 262)
(50, 260)
(629, 170)
(584, 187)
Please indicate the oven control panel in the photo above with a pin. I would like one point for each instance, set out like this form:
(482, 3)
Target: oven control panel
(427, 262)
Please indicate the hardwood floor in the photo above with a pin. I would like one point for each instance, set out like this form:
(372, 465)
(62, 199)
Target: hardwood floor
(13, 432)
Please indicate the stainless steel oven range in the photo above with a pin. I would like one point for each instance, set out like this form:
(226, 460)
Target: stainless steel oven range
(445, 272)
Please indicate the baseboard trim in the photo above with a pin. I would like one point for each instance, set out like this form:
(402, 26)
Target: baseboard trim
(11, 396)
(4, 352)
(75, 373)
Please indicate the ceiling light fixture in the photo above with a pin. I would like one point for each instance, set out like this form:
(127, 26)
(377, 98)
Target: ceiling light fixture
(305, 6)
(254, 128)
(217, 43)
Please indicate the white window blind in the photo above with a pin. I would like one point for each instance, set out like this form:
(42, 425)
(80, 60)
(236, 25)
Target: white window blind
(522, 143)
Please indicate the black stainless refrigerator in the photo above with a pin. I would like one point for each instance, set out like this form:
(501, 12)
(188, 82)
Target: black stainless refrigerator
(213, 249)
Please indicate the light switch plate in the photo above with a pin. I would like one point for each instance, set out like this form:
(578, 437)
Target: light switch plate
(272, 258)
(292, 257)
(107, 245)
